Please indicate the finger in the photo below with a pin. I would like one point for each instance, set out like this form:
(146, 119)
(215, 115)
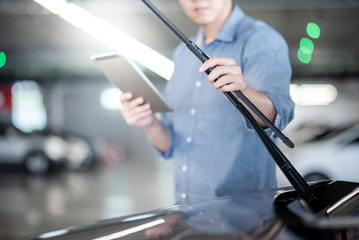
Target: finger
(141, 109)
(216, 61)
(136, 119)
(130, 105)
(143, 115)
(229, 87)
(221, 71)
(217, 73)
(229, 84)
(137, 102)
(136, 111)
(229, 78)
(126, 96)
(225, 80)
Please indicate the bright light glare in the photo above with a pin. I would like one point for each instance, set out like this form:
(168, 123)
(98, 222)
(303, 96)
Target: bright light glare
(29, 112)
(111, 36)
(132, 230)
(313, 94)
(2, 59)
(306, 45)
(313, 30)
(110, 98)
(53, 234)
(303, 57)
(55, 147)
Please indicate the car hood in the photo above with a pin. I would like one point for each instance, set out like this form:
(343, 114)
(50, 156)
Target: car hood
(246, 216)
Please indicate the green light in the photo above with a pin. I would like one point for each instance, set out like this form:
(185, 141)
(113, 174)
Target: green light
(313, 30)
(304, 57)
(2, 59)
(306, 46)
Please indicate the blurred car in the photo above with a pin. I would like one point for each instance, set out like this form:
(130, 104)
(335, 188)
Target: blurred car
(332, 153)
(36, 152)
(82, 152)
(41, 151)
(78, 151)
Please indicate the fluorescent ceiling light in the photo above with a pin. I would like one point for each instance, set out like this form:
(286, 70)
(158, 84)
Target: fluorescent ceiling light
(111, 36)
(313, 94)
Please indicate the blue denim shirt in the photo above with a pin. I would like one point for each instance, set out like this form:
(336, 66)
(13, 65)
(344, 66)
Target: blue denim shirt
(215, 151)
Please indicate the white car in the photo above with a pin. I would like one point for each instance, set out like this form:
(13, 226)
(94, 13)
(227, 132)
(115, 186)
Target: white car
(332, 154)
(41, 151)
(38, 153)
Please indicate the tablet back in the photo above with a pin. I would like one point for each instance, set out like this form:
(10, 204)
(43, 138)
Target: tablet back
(127, 76)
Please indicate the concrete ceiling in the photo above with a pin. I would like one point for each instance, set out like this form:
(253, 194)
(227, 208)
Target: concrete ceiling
(42, 46)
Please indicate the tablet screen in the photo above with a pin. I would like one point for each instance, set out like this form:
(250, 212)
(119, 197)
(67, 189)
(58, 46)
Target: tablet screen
(127, 76)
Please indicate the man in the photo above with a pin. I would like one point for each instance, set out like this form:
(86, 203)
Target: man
(215, 151)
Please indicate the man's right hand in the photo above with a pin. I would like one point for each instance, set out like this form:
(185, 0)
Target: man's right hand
(136, 112)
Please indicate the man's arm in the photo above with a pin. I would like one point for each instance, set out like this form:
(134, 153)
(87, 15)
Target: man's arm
(262, 102)
(229, 78)
(159, 135)
(137, 113)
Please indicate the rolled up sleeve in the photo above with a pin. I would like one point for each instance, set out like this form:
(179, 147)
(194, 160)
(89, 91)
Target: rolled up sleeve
(266, 68)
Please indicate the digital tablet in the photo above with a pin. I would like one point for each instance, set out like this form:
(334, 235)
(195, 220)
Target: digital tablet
(128, 77)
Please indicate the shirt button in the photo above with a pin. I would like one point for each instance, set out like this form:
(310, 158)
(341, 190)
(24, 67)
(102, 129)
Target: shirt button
(189, 139)
(183, 195)
(184, 168)
(198, 84)
(193, 111)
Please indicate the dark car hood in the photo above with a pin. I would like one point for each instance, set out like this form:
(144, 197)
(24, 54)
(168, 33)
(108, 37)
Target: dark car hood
(251, 215)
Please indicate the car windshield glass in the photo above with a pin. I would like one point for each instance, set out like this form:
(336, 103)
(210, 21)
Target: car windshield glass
(326, 135)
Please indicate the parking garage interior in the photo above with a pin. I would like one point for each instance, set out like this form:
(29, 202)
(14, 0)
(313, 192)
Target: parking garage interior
(52, 92)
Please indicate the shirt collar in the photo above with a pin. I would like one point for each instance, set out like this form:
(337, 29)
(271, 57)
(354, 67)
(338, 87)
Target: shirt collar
(227, 32)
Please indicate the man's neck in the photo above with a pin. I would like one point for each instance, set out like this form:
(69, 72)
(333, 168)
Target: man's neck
(211, 30)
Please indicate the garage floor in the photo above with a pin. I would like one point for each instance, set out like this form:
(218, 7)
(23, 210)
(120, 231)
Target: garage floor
(35, 204)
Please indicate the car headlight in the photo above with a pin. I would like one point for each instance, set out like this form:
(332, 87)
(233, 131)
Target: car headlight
(78, 151)
(55, 148)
